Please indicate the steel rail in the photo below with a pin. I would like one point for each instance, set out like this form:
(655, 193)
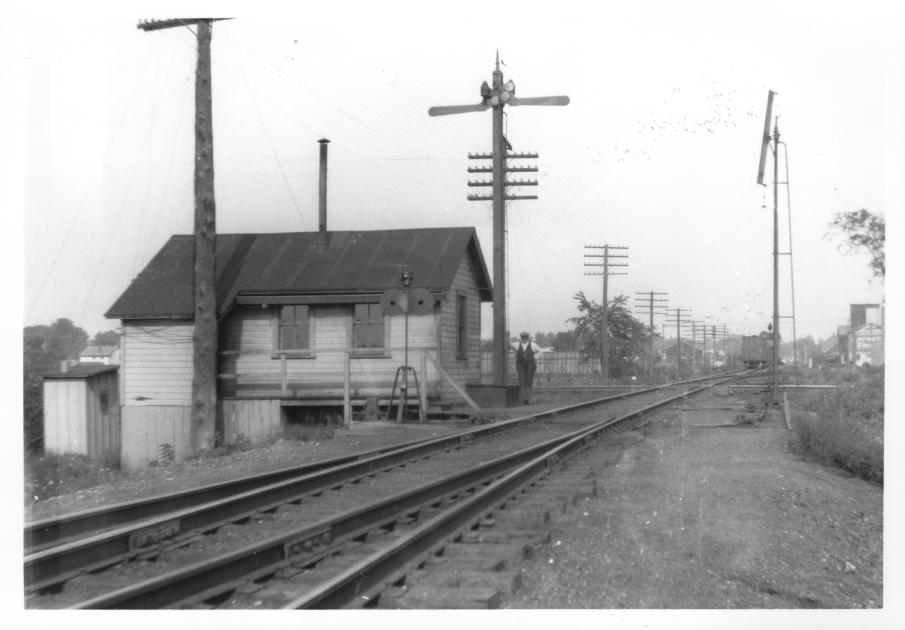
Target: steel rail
(40, 534)
(53, 565)
(209, 578)
(374, 572)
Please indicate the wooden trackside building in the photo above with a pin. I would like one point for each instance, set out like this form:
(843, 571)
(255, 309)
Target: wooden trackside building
(81, 412)
(300, 324)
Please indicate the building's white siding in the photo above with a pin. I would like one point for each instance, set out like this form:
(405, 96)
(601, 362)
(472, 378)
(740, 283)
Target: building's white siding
(65, 416)
(465, 370)
(81, 416)
(251, 366)
(256, 420)
(150, 431)
(156, 389)
(157, 363)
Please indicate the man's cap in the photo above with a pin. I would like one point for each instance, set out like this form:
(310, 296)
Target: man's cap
(524, 334)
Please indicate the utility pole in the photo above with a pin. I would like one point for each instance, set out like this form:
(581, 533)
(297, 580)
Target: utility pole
(713, 340)
(204, 337)
(695, 326)
(496, 97)
(678, 324)
(774, 389)
(604, 319)
(651, 307)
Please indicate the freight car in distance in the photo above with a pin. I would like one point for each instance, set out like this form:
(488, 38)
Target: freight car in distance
(757, 350)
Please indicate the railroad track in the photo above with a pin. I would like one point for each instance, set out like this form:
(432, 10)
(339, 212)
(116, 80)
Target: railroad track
(307, 520)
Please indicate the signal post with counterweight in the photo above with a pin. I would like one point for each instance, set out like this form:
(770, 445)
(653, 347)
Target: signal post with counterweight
(496, 97)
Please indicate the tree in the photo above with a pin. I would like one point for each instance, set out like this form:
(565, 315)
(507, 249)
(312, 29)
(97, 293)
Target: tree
(864, 231)
(565, 341)
(44, 347)
(106, 338)
(628, 337)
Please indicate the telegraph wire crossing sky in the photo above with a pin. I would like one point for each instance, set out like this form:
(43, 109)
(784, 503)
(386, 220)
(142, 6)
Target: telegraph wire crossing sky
(657, 150)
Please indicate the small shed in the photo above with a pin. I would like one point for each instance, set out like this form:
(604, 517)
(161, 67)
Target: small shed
(81, 411)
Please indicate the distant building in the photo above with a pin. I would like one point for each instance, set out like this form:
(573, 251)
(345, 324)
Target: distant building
(861, 314)
(830, 349)
(866, 345)
(106, 355)
(842, 337)
(861, 341)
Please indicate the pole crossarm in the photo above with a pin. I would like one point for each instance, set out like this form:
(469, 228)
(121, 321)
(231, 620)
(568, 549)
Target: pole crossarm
(156, 25)
(508, 156)
(507, 169)
(515, 182)
(495, 96)
(506, 197)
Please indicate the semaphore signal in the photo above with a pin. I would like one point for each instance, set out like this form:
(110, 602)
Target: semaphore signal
(495, 97)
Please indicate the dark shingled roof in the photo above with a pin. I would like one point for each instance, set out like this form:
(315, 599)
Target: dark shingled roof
(295, 263)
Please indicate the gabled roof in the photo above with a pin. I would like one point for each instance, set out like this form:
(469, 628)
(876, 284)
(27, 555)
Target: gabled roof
(98, 351)
(300, 263)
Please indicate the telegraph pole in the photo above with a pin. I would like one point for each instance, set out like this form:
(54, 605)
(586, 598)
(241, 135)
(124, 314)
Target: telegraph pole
(604, 319)
(651, 308)
(499, 167)
(694, 336)
(678, 323)
(713, 340)
(496, 97)
(204, 336)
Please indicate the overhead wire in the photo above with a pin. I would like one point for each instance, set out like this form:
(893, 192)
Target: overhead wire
(119, 214)
(142, 213)
(276, 156)
(375, 163)
(77, 214)
(159, 206)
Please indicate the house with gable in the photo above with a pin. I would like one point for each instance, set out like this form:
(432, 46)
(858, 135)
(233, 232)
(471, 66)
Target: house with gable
(300, 324)
(105, 355)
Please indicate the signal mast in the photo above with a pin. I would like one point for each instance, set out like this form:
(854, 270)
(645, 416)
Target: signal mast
(496, 96)
(765, 144)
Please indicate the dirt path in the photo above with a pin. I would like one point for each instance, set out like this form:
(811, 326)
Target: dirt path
(695, 515)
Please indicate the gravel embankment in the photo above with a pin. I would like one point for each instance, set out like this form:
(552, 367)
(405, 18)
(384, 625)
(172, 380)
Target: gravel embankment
(714, 518)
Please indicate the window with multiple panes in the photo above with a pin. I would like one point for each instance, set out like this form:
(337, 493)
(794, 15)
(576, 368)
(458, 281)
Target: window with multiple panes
(367, 326)
(461, 327)
(294, 328)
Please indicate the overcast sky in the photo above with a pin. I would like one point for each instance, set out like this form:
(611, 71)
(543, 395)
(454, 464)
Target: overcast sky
(657, 151)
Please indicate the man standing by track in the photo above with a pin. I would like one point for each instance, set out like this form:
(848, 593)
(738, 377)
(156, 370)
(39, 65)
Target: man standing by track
(526, 366)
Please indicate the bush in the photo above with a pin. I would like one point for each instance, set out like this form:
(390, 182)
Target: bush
(843, 427)
(51, 475)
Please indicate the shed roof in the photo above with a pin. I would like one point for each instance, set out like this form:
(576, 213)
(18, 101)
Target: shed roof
(306, 263)
(82, 371)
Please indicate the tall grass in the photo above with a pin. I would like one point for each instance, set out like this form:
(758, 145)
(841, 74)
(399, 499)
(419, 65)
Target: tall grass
(51, 475)
(843, 427)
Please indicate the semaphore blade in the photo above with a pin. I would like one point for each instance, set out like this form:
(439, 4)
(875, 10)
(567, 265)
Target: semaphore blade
(445, 110)
(539, 100)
